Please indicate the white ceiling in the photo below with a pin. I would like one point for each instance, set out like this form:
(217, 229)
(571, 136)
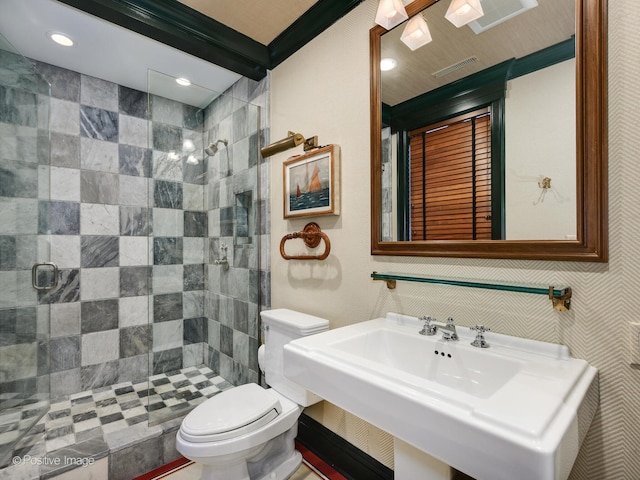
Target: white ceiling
(107, 51)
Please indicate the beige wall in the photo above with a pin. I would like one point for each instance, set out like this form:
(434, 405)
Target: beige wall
(324, 90)
(541, 145)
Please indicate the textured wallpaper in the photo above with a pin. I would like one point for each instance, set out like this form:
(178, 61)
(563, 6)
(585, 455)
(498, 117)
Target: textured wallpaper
(605, 295)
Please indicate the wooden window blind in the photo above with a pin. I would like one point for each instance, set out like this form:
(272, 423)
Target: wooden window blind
(450, 179)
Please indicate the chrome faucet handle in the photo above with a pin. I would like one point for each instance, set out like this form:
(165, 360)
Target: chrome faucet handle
(480, 329)
(480, 342)
(450, 322)
(427, 328)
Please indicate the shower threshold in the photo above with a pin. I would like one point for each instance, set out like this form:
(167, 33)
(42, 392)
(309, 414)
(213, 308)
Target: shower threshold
(93, 424)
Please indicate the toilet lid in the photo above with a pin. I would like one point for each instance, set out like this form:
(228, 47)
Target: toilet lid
(231, 413)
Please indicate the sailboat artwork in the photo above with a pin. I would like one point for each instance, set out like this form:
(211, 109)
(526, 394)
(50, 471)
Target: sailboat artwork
(309, 181)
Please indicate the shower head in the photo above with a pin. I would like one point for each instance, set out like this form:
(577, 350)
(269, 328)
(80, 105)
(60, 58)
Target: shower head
(212, 149)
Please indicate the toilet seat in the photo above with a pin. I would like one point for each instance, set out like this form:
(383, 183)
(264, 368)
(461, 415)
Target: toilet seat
(230, 414)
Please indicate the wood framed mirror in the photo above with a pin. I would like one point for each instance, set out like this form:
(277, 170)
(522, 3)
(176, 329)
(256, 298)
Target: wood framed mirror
(589, 243)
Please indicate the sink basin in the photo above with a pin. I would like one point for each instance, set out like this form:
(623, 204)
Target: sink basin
(470, 371)
(519, 409)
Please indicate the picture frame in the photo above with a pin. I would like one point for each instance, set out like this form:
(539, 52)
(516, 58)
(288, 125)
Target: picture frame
(311, 183)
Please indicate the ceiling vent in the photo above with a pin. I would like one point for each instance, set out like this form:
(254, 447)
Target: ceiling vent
(498, 11)
(454, 67)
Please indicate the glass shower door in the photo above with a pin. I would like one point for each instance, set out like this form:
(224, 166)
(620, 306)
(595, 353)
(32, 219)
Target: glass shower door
(24, 248)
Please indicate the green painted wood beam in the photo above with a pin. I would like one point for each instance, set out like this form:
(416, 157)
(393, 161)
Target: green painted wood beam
(175, 24)
(311, 24)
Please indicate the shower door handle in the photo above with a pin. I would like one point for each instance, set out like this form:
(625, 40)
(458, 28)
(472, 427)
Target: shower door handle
(34, 275)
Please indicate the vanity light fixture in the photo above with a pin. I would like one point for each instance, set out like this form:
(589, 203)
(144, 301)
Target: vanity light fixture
(390, 13)
(461, 12)
(416, 33)
(185, 82)
(387, 64)
(61, 39)
(292, 140)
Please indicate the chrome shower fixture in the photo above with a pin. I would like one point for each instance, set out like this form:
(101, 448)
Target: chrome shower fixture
(212, 149)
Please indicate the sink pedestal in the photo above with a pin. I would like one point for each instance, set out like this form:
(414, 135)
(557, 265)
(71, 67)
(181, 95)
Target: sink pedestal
(411, 463)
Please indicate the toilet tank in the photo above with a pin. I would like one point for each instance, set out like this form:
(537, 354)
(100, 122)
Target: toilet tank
(280, 327)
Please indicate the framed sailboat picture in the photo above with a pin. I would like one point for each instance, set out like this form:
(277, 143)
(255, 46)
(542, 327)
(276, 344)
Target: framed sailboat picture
(312, 184)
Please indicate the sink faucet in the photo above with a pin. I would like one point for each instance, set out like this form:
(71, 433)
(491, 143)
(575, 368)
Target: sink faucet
(449, 330)
(428, 328)
(480, 342)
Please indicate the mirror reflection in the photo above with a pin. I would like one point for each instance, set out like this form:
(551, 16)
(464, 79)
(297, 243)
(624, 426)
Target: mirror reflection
(479, 125)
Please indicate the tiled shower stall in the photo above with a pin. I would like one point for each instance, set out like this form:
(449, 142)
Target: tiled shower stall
(136, 226)
(140, 220)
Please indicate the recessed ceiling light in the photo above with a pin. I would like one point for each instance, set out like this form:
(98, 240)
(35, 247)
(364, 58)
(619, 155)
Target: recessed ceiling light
(61, 39)
(185, 82)
(387, 64)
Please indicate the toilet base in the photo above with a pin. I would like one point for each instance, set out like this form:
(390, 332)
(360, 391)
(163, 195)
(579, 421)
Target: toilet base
(239, 471)
(275, 460)
(286, 469)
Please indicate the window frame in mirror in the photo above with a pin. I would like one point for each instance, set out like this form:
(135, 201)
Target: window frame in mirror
(591, 244)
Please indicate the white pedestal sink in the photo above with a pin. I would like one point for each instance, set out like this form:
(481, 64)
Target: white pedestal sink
(517, 410)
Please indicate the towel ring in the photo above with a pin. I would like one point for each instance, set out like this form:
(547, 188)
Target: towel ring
(311, 235)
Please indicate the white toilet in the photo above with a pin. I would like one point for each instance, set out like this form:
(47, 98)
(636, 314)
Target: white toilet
(248, 432)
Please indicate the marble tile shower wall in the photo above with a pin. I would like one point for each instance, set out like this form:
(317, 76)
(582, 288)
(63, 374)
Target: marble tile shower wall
(109, 192)
(24, 113)
(237, 199)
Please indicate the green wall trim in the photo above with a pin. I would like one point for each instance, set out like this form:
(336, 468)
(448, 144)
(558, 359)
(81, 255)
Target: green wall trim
(455, 98)
(312, 23)
(343, 456)
(498, 171)
(386, 115)
(402, 195)
(175, 24)
(547, 57)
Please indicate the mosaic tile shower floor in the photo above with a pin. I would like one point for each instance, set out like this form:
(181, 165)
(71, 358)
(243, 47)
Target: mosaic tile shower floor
(105, 412)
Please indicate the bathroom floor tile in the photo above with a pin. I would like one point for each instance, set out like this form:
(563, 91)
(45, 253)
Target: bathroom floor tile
(60, 442)
(115, 426)
(86, 425)
(94, 413)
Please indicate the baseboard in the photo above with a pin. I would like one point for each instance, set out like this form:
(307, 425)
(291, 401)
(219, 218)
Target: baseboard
(344, 457)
